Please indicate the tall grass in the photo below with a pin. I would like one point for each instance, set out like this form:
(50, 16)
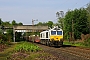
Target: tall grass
(85, 43)
(26, 46)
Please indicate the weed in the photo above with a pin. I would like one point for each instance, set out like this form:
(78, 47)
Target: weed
(26, 46)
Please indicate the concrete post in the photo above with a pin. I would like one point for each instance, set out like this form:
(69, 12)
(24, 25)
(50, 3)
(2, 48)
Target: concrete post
(14, 34)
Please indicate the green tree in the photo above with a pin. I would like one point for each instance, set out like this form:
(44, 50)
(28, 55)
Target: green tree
(20, 23)
(61, 23)
(49, 23)
(7, 23)
(60, 17)
(14, 22)
(68, 24)
(42, 24)
(9, 35)
(88, 10)
(45, 24)
(76, 21)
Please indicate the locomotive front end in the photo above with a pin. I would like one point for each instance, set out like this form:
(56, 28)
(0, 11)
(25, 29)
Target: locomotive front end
(57, 37)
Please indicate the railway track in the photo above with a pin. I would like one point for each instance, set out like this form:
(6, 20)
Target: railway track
(82, 53)
(68, 53)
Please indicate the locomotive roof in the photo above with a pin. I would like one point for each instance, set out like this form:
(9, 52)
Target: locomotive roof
(52, 30)
(56, 29)
(44, 31)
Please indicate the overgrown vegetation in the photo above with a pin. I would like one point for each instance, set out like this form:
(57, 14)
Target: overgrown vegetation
(26, 46)
(20, 50)
(3, 39)
(74, 44)
(87, 42)
(7, 33)
(76, 21)
(28, 51)
(24, 51)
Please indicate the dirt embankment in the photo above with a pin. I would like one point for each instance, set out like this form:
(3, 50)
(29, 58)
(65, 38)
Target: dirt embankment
(2, 47)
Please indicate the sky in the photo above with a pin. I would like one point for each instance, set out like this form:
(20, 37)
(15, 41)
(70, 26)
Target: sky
(42, 10)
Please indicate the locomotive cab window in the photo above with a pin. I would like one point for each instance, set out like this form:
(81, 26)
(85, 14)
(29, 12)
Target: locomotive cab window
(59, 32)
(41, 35)
(53, 32)
(46, 34)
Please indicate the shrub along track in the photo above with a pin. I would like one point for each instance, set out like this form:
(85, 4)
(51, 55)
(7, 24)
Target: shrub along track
(68, 52)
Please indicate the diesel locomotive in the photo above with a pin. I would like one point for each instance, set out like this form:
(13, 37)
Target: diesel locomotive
(52, 37)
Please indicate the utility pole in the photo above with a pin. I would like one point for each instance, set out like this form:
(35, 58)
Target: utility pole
(33, 23)
(72, 32)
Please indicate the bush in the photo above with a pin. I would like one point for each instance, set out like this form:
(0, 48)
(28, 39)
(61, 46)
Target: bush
(3, 39)
(87, 42)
